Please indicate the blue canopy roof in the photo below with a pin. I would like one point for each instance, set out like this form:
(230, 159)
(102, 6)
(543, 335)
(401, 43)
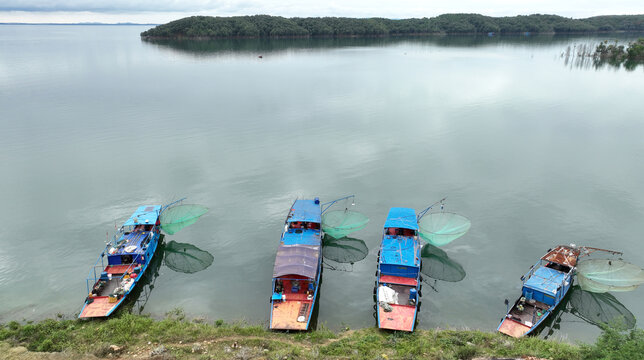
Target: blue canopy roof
(305, 210)
(402, 218)
(303, 237)
(546, 280)
(146, 214)
(400, 250)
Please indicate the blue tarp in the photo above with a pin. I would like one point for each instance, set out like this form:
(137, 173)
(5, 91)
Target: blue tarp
(546, 280)
(143, 213)
(303, 237)
(402, 218)
(305, 210)
(400, 250)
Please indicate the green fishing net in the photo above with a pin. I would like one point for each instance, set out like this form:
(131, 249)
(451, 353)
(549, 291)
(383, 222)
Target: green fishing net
(344, 250)
(441, 228)
(436, 264)
(186, 258)
(602, 275)
(340, 223)
(177, 217)
(599, 309)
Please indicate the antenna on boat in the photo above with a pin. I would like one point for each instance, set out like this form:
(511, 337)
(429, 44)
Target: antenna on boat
(330, 203)
(423, 212)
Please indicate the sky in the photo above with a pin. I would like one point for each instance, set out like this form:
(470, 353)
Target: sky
(162, 11)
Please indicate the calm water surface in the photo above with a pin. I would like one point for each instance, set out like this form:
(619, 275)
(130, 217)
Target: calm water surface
(536, 151)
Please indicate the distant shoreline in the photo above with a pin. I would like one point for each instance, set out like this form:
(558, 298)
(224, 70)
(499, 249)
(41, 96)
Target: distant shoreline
(266, 26)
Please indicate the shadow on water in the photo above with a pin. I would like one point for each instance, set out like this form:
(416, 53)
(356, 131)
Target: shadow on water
(437, 265)
(343, 251)
(594, 308)
(217, 47)
(179, 257)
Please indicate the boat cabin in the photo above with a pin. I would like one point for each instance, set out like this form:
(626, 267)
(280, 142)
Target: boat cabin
(134, 237)
(400, 248)
(548, 280)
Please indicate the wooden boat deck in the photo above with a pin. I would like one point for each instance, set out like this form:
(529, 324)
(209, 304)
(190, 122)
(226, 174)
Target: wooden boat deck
(389, 279)
(285, 314)
(100, 307)
(401, 317)
(513, 328)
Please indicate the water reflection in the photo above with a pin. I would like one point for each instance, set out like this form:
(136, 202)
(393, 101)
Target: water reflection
(186, 258)
(594, 308)
(582, 56)
(262, 46)
(437, 265)
(180, 257)
(344, 250)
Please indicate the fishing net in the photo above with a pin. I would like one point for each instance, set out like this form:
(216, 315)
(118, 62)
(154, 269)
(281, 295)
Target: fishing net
(601, 275)
(177, 217)
(186, 258)
(344, 250)
(597, 287)
(443, 227)
(340, 223)
(437, 265)
(599, 309)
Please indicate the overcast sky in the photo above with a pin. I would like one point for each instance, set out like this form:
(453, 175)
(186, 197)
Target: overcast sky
(162, 11)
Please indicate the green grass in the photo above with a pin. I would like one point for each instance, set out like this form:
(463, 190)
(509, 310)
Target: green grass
(220, 340)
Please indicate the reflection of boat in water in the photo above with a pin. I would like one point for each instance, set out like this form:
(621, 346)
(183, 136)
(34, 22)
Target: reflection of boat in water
(598, 309)
(109, 284)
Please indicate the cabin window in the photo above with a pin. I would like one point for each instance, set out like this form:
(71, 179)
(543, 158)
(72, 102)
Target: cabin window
(559, 267)
(126, 259)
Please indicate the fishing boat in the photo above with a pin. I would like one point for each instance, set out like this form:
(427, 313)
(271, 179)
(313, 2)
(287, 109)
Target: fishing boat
(398, 275)
(298, 264)
(126, 258)
(298, 267)
(544, 287)
(122, 263)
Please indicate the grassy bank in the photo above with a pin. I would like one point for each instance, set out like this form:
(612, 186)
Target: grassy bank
(133, 336)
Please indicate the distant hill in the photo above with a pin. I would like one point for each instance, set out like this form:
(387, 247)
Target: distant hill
(266, 26)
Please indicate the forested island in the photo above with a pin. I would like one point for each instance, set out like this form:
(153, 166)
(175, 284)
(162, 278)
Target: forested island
(266, 26)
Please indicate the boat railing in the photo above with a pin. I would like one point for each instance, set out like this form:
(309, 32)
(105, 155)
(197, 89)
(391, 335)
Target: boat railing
(96, 270)
(531, 271)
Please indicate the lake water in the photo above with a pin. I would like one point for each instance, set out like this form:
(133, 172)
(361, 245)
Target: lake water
(535, 150)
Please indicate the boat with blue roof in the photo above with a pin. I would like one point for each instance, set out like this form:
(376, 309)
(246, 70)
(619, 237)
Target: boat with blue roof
(545, 286)
(298, 267)
(122, 262)
(298, 264)
(398, 276)
(126, 258)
